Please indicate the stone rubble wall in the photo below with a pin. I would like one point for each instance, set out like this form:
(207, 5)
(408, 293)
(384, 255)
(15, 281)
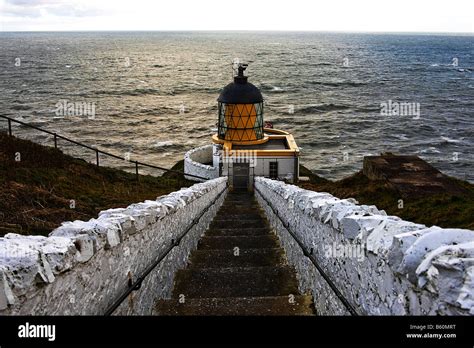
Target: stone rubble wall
(194, 163)
(382, 264)
(83, 266)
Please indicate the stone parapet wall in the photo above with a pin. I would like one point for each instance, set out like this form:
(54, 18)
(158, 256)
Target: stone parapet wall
(83, 266)
(382, 264)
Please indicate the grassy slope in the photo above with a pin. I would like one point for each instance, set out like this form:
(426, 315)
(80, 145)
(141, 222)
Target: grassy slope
(36, 192)
(441, 210)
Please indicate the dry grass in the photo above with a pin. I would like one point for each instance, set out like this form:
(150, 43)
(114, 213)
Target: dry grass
(36, 193)
(444, 210)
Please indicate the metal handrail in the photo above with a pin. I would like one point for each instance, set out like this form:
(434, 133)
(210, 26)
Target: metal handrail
(96, 150)
(133, 286)
(309, 255)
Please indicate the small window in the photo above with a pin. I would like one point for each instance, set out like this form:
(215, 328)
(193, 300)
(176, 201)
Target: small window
(274, 170)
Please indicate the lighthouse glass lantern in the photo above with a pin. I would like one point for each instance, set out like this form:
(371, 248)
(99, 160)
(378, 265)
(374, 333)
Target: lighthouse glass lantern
(240, 111)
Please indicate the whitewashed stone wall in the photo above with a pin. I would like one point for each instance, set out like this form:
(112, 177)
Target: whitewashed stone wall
(402, 268)
(82, 267)
(194, 163)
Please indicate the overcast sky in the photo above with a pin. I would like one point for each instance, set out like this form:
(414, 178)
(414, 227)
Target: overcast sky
(326, 15)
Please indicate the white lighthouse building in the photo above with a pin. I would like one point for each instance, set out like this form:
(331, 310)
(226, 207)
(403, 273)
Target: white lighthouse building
(242, 148)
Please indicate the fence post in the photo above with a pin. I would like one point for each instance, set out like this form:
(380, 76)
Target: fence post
(97, 151)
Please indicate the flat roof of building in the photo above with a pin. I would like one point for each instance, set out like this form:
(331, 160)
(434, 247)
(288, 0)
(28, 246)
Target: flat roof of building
(274, 143)
(271, 144)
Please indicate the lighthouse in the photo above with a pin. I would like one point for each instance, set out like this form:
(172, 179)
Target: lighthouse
(243, 148)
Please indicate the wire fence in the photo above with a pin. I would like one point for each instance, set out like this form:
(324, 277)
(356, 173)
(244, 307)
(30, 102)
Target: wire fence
(97, 156)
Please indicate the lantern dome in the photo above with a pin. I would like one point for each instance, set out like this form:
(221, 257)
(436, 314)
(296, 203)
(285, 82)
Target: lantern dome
(240, 91)
(240, 110)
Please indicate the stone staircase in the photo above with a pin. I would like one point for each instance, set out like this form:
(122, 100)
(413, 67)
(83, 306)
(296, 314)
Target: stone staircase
(238, 268)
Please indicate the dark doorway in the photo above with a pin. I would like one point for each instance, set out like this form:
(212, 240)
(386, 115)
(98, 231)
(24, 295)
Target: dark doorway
(273, 170)
(241, 176)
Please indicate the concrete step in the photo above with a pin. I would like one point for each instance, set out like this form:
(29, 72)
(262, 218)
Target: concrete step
(242, 242)
(275, 305)
(239, 200)
(228, 258)
(226, 223)
(236, 216)
(244, 231)
(232, 209)
(237, 210)
(235, 282)
(239, 195)
(257, 281)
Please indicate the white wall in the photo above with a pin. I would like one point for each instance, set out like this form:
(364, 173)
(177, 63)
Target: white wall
(286, 167)
(261, 167)
(82, 267)
(194, 163)
(383, 265)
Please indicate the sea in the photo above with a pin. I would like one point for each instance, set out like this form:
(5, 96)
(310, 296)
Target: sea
(152, 96)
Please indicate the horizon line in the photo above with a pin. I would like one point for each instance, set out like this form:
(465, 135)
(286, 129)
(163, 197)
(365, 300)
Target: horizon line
(244, 31)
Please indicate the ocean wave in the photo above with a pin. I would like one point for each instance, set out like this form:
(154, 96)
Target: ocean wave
(131, 92)
(400, 136)
(141, 91)
(320, 64)
(166, 143)
(430, 150)
(272, 88)
(154, 144)
(440, 143)
(338, 84)
(156, 111)
(211, 90)
(322, 144)
(140, 122)
(451, 141)
(368, 109)
(276, 89)
(322, 108)
(288, 120)
(21, 107)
